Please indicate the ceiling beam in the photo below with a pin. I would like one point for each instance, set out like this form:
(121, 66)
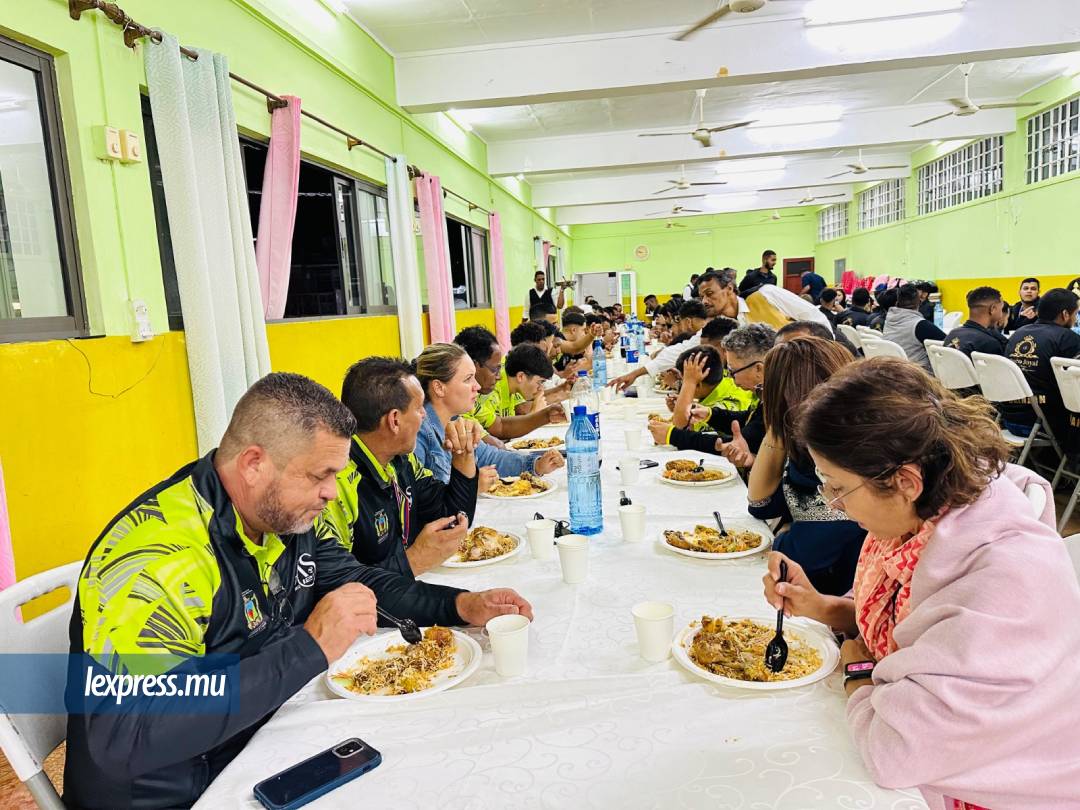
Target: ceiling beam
(736, 52)
(629, 187)
(886, 127)
(653, 209)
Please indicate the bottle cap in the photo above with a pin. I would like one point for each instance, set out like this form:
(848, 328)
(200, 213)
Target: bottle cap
(579, 410)
(583, 373)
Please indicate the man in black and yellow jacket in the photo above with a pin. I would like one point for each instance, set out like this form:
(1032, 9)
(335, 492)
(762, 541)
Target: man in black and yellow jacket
(390, 510)
(221, 561)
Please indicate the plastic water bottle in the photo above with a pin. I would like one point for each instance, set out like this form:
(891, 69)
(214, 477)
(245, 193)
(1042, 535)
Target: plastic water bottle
(583, 395)
(583, 474)
(639, 327)
(624, 341)
(939, 311)
(599, 365)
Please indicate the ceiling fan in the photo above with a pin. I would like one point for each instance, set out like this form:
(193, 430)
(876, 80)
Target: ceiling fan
(776, 216)
(858, 167)
(810, 198)
(702, 134)
(965, 106)
(722, 10)
(675, 211)
(682, 184)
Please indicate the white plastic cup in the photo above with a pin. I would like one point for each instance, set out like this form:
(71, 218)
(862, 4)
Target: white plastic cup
(574, 558)
(633, 438)
(629, 470)
(644, 385)
(632, 521)
(655, 625)
(541, 534)
(509, 635)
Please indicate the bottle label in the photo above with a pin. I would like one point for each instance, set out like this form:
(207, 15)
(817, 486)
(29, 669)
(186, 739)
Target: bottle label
(582, 464)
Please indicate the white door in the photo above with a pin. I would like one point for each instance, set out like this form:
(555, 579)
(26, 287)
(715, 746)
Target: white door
(628, 292)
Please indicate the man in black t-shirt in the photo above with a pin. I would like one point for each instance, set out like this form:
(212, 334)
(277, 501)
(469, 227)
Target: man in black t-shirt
(981, 332)
(1025, 311)
(1031, 348)
(760, 275)
(858, 314)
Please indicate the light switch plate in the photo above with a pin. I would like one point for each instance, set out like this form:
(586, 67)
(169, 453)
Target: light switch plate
(107, 143)
(130, 147)
(141, 329)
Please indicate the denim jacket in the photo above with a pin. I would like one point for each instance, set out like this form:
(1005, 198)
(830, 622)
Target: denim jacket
(431, 453)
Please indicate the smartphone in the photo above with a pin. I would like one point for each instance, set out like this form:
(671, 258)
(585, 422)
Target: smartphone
(317, 775)
(648, 463)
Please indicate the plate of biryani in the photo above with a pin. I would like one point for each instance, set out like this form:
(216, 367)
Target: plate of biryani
(538, 444)
(385, 669)
(683, 472)
(524, 486)
(484, 546)
(730, 650)
(705, 542)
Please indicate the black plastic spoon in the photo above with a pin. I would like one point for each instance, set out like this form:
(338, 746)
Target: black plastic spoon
(777, 651)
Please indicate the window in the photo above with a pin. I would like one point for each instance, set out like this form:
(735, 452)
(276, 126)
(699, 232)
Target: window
(881, 204)
(40, 290)
(967, 174)
(161, 219)
(469, 274)
(1053, 142)
(832, 222)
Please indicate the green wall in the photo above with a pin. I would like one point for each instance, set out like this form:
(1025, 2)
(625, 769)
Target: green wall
(296, 47)
(716, 240)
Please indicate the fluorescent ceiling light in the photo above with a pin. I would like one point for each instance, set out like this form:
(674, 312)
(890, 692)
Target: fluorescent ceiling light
(462, 124)
(838, 12)
(797, 116)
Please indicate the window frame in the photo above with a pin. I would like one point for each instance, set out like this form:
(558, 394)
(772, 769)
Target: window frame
(973, 172)
(882, 204)
(471, 231)
(74, 324)
(1054, 130)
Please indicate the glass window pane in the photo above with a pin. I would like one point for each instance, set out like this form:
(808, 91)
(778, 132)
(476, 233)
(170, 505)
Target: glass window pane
(386, 257)
(480, 285)
(31, 263)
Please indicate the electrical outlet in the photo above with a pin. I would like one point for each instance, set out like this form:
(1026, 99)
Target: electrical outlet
(130, 147)
(141, 328)
(107, 143)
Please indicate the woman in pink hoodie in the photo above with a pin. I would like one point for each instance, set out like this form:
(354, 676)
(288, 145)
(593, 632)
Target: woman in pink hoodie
(964, 662)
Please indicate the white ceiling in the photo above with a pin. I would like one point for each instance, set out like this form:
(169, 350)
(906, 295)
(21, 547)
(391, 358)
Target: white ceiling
(560, 89)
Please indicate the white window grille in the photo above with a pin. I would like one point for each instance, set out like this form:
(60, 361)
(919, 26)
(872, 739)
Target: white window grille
(967, 174)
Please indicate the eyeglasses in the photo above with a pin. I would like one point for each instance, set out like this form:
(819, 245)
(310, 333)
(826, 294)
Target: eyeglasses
(495, 369)
(734, 371)
(826, 491)
(283, 612)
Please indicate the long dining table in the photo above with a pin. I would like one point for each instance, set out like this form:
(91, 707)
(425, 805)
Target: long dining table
(590, 724)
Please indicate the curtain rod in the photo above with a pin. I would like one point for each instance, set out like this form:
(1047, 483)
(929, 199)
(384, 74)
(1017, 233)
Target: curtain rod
(134, 31)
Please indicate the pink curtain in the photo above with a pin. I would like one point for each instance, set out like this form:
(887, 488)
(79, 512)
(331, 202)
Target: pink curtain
(498, 282)
(277, 211)
(436, 258)
(848, 281)
(545, 251)
(7, 556)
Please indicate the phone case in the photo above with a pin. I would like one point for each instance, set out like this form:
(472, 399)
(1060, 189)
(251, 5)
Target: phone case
(307, 798)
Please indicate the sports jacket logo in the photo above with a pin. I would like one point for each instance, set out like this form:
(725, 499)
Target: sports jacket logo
(252, 614)
(382, 524)
(305, 571)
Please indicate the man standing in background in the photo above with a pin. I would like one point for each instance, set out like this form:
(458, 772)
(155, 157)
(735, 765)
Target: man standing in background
(542, 294)
(812, 285)
(690, 290)
(762, 275)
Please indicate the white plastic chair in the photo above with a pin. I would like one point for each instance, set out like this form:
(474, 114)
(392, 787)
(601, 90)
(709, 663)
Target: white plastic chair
(1067, 375)
(866, 331)
(952, 367)
(1002, 380)
(883, 348)
(951, 321)
(1036, 496)
(27, 739)
(851, 333)
(1072, 543)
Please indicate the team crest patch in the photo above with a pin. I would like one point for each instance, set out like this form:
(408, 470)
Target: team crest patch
(305, 571)
(252, 614)
(382, 524)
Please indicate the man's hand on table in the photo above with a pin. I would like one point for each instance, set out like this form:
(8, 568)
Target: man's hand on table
(436, 542)
(549, 462)
(341, 616)
(659, 431)
(489, 477)
(626, 380)
(480, 607)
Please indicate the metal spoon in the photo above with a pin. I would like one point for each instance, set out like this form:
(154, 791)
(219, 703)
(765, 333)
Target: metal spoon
(777, 651)
(409, 631)
(719, 522)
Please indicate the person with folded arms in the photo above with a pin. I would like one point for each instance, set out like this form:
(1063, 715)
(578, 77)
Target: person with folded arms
(960, 664)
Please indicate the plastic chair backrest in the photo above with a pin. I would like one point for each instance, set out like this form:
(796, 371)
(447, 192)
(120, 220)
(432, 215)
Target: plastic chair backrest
(1067, 374)
(883, 348)
(952, 367)
(1036, 496)
(1000, 378)
(27, 739)
(851, 333)
(951, 321)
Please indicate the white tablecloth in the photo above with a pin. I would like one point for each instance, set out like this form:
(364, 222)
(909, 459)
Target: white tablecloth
(591, 724)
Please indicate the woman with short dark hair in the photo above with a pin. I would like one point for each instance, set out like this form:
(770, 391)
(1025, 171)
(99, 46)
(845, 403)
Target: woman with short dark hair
(962, 678)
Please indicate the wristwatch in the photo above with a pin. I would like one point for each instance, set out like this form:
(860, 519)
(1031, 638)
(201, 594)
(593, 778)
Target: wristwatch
(857, 671)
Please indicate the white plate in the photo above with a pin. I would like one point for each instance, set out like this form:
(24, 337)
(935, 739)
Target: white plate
(815, 637)
(552, 486)
(731, 479)
(466, 660)
(452, 563)
(560, 446)
(766, 541)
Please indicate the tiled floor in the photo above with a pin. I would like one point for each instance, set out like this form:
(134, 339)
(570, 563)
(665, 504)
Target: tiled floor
(13, 796)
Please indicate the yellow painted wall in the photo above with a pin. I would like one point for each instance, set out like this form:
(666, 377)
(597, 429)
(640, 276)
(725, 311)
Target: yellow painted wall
(954, 290)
